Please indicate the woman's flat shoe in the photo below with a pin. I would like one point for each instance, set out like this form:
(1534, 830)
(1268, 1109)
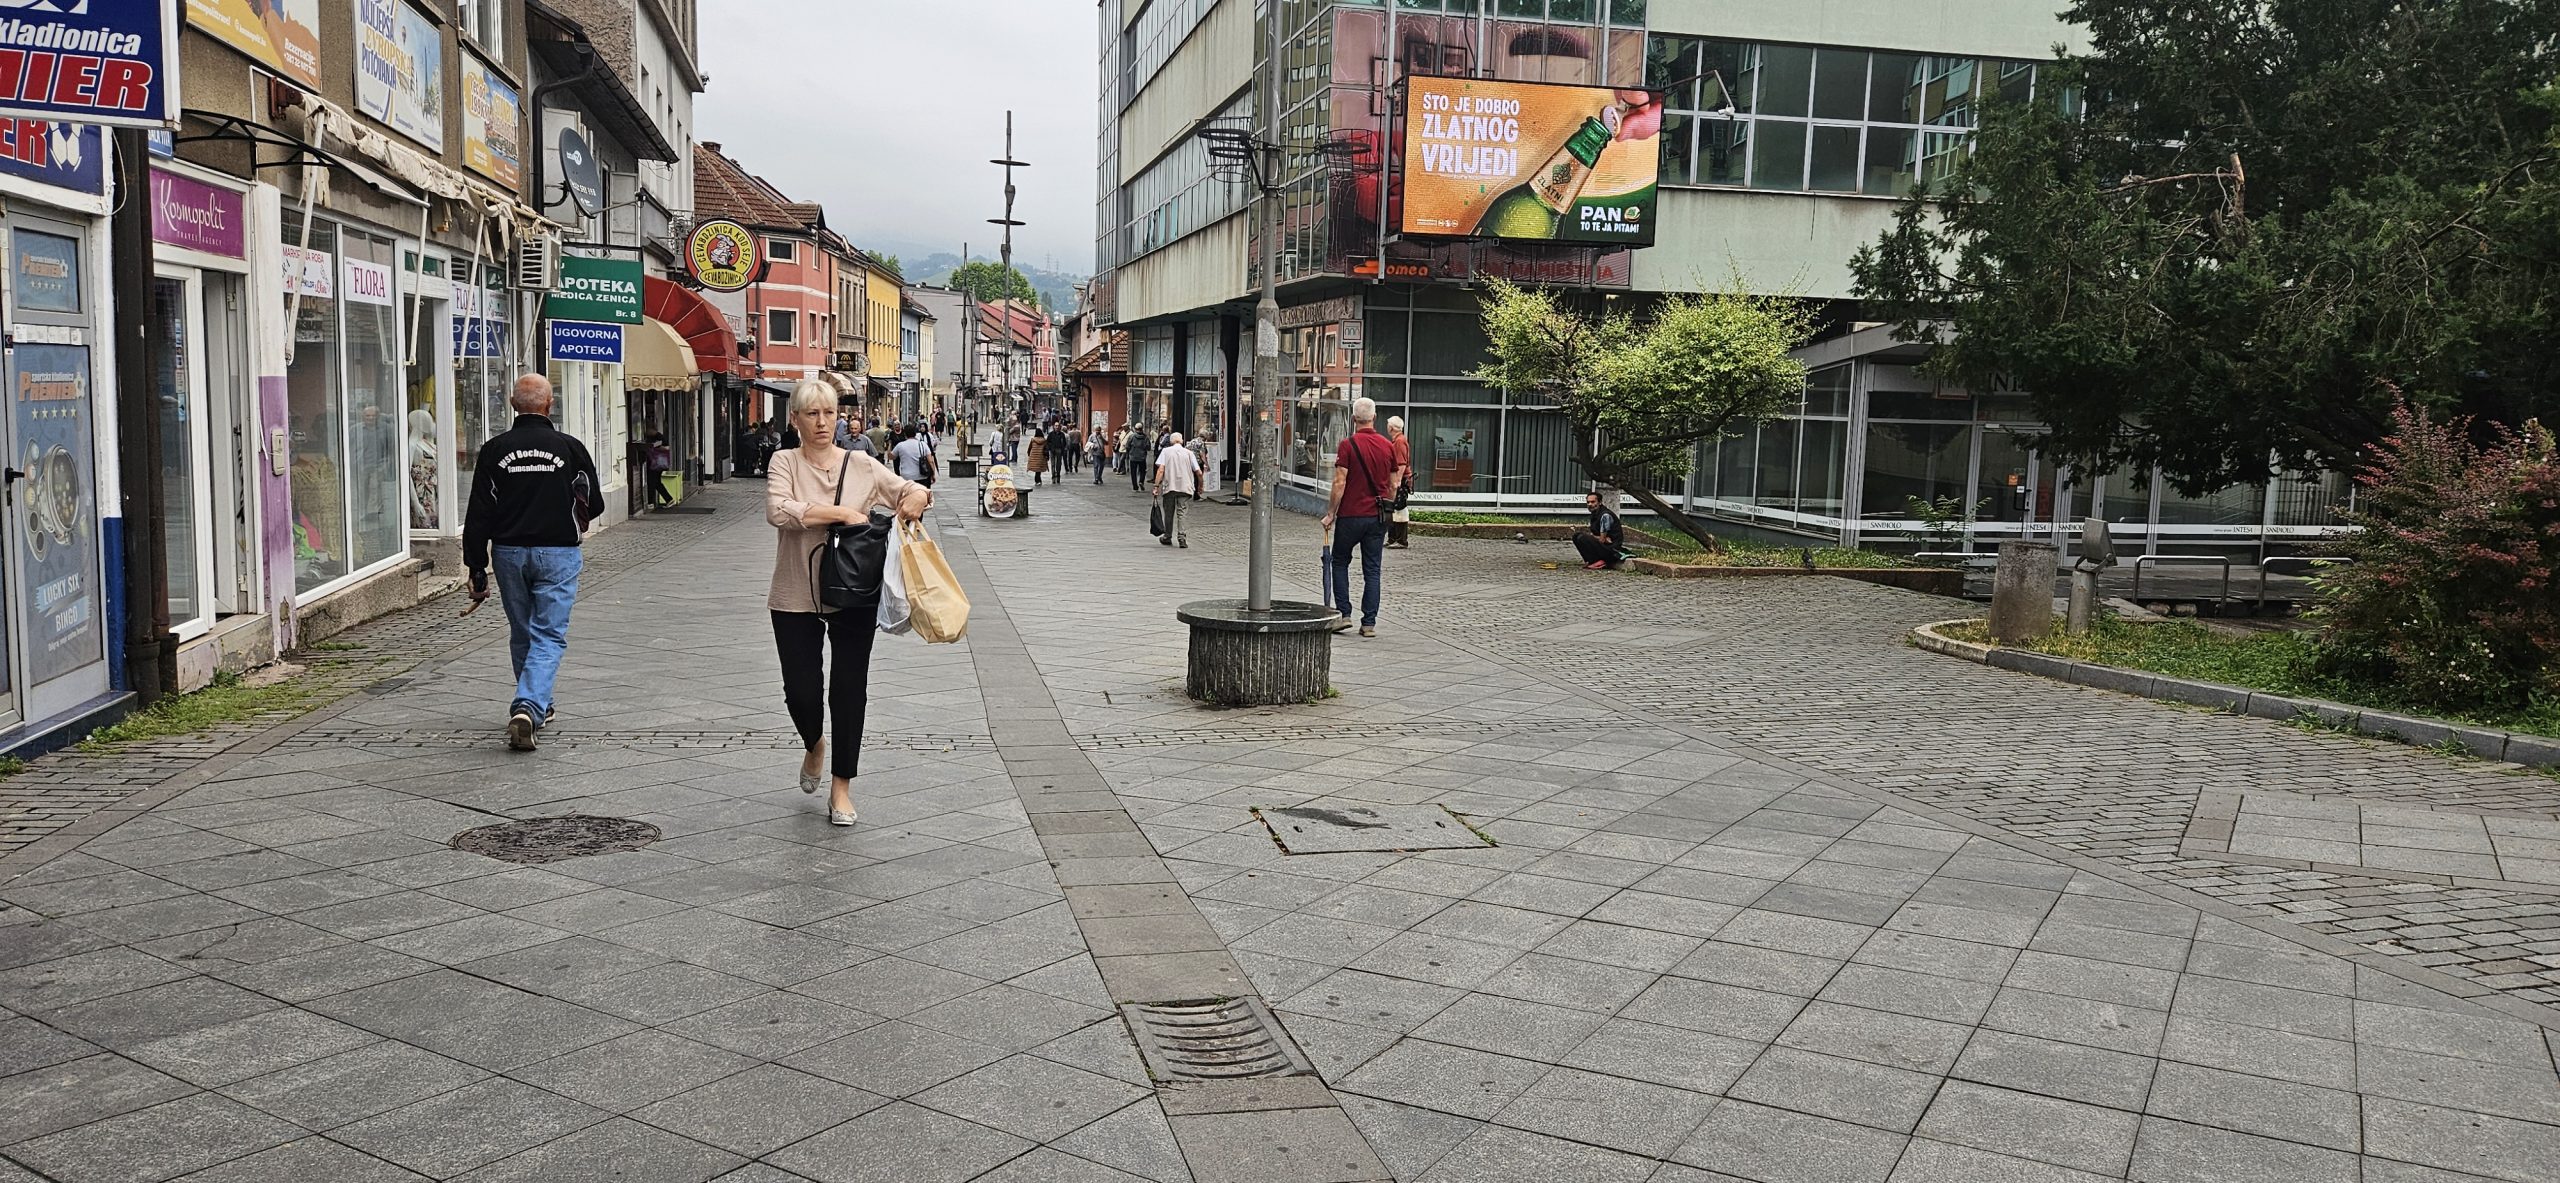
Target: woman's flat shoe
(811, 784)
(840, 817)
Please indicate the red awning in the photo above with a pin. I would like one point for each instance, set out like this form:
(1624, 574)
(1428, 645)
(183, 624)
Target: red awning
(715, 348)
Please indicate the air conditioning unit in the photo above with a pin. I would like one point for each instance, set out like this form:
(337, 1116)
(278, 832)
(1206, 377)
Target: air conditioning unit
(538, 264)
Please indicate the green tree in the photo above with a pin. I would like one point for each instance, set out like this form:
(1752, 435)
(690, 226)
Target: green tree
(2224, 238)
(1643, 392)
(993, 281)
(891, 262)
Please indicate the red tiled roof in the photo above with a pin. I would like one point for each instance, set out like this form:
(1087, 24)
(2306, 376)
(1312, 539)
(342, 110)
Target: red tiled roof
(722, 189)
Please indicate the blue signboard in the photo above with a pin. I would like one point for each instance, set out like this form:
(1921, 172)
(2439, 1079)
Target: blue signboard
(578, 340)
(90, 61)
(474, 337)
(58, 527)
(69, 156)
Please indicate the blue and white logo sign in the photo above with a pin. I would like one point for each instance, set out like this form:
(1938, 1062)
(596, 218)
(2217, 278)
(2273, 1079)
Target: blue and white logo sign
(89, 61)
(69, 156)
(578, 340)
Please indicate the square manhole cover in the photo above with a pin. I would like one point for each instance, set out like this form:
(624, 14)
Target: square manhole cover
(1347, 829)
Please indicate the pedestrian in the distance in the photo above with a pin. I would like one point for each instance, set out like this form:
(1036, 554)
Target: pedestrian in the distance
(1363, 476)
(1141, 452)
(912, 457)
(1035, 455)
(1097, 453)
(532, 494)
(656, 461)
(809, 489)
(1604, 544)
(1400, 516)
(1177, 486)
(1062, 451)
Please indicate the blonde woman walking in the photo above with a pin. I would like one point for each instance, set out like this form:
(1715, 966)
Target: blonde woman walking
(806, 490)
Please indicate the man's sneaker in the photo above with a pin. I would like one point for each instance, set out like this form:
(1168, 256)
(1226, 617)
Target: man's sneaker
(1343, 622)
(521, 727)
(1368, 630)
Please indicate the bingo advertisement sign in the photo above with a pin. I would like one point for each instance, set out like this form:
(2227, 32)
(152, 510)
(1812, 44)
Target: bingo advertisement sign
(1530, 161)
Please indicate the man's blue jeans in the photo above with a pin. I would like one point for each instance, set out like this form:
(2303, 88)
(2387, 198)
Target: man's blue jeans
(1369, 536)
(537, 584)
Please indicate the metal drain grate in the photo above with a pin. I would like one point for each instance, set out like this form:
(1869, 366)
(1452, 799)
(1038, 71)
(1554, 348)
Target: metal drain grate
(551, 839)
(1212, 1039)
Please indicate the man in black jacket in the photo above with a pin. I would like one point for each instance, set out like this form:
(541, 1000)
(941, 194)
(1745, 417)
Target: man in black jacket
(532, 494)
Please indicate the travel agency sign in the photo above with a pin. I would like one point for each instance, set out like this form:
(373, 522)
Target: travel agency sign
(89, 62)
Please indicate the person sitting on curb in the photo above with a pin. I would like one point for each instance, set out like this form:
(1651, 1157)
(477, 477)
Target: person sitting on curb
(1604, 545)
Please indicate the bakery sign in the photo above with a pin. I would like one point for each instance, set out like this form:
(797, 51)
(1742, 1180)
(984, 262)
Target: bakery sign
(722, 255)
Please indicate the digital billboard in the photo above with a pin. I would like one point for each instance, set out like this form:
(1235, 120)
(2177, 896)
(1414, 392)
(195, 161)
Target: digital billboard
(1530, 161)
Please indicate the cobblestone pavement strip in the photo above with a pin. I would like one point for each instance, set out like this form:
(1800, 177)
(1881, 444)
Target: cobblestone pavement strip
(1776, 899)
(1793, 901)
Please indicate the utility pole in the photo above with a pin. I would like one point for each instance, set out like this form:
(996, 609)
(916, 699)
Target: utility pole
(1004, 280)
(1266, 346)
(151, 650)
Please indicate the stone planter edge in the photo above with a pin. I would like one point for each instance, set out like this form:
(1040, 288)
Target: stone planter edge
(2531, 751)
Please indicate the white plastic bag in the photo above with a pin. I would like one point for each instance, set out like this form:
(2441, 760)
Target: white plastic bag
(893, 588)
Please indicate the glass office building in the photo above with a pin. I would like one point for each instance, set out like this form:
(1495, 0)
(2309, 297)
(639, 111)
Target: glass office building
(1781, 156)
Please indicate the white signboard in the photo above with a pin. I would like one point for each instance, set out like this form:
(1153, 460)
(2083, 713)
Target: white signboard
(400, 70)
(310, 273)
(366, 283)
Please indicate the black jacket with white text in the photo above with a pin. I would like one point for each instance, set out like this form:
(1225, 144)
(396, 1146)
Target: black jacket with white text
(535, 486)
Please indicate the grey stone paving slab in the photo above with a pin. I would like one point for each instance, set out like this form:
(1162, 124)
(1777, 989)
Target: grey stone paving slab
(77, 1092)
(161, 1142)
(616, 1151)
(901, 1141)
(759, 1110)
(305, 1160)
(327, 1093)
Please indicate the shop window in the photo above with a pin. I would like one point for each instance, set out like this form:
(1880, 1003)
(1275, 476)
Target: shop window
(1835, 159)
(1777, 155)
(782, 326)
(1447, 344)
(1839, 84)
(48, 272)
(315, 405)
(2125, 498)
(2238, 505)
(1906, 460)
(1822, 467)
(377, 416)
(1454, 449)
(484, 21)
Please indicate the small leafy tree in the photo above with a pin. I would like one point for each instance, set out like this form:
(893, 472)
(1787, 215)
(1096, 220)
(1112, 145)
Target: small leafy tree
(2454, 596)
(1642, 393)
(1944, 521)
(993, 281)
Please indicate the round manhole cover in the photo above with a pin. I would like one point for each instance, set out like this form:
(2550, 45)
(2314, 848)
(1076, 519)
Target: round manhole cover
(551, 839)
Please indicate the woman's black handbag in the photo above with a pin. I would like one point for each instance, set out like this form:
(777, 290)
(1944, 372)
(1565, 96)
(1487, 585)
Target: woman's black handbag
(852, 559)
(1155, 519)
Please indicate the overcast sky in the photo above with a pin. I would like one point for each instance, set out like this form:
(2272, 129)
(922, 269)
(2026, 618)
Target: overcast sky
(887, 111)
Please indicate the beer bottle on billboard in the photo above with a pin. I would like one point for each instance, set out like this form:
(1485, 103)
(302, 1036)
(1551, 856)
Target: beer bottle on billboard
(1534, 208)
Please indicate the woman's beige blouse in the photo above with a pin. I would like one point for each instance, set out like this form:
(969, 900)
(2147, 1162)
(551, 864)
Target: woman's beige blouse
(792, 486)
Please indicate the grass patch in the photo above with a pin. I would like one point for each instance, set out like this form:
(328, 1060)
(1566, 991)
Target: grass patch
(2277, 662)
(1739, 552)
(227, 700)
(1456, 517)
(11, 766)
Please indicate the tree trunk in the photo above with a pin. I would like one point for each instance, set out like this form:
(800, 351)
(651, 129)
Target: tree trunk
(1668, 512)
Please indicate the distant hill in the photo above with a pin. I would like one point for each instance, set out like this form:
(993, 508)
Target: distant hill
(1057, 288)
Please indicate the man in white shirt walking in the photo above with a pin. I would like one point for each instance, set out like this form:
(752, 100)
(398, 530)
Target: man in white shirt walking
(1177, 485)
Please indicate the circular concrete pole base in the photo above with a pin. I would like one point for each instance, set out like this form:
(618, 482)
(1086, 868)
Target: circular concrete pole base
(1242, 658)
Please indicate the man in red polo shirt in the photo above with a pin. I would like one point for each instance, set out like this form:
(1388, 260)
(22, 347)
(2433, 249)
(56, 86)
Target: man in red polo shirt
(1364, 473)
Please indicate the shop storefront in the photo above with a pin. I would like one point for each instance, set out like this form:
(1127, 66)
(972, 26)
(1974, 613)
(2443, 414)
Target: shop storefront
(481, 339)
(203, 292)
(346, 402)
(58, 597)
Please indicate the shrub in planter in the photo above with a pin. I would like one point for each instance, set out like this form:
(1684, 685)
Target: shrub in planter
(2454, 597)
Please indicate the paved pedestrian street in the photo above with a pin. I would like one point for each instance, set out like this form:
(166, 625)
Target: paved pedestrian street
(1772, 897)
